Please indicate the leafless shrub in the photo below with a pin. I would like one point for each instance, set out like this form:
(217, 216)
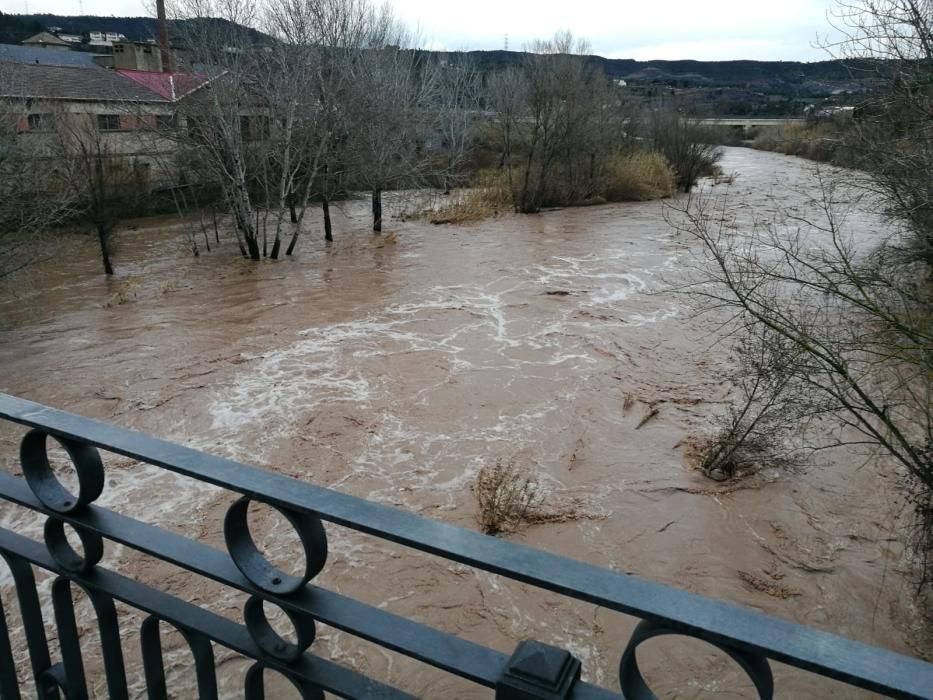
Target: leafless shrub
(506, 494)
(510, 496)
(683, 143)
(768, 399)
(844, 335)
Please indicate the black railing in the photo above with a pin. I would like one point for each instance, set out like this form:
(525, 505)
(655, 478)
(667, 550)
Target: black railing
(534, 670)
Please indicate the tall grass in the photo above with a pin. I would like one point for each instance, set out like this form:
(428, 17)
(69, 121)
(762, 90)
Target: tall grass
(639, 177)
(822, 141)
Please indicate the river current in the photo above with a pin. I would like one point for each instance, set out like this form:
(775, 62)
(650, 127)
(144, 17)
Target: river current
(395, 367)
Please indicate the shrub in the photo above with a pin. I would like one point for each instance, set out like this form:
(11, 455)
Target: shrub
(638, 177)
(506, 494)
(488, 194)
(683, 143)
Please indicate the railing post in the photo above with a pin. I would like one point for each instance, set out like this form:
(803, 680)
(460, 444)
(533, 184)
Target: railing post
(538, 671)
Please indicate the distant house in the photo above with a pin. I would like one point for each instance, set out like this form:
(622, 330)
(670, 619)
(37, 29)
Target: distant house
(46, 40)
(131, 55)
(14, 53)
(104, 39)
(124, 107)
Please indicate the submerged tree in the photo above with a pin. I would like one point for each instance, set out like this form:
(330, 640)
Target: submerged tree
(850, 330)
(29, 202)
(389, 118)
(558, 120)
(104, 183)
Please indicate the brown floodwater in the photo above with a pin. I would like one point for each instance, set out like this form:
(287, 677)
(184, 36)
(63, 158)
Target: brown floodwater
(395, 367)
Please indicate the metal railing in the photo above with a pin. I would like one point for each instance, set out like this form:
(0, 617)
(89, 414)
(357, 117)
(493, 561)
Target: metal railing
(534, 670)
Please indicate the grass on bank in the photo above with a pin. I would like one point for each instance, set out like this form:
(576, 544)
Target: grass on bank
(636, 176)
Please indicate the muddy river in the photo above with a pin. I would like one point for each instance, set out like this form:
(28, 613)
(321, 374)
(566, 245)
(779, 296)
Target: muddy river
(395, 367)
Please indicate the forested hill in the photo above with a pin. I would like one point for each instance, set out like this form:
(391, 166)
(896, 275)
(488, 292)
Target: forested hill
(15, 28)
(698, 73)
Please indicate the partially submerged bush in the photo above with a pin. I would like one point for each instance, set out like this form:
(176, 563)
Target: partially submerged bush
(506, 494)
(682, 141)
(731, 453)
(488, 194)
(639, 177)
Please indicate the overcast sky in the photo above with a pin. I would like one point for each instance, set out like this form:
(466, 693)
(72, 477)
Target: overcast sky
(641, 29)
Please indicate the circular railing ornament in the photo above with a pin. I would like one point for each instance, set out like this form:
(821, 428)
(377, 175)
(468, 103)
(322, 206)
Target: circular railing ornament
(255, 567)
(65, 555)
(254, 684)
(633, 683)
(52, 682)
(269, 640)
(34, 459)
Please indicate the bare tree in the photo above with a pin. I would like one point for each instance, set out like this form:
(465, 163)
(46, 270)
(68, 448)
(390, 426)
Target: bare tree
(103, 183)
(851, 322)
(327, 37)
(456, 118)
(558, 120)
(225, 123)
(390, 119)
(29, 203)
(682, 140)
(891, 138)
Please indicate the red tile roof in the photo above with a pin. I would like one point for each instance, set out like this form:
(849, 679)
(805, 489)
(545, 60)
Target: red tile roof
(171, 86)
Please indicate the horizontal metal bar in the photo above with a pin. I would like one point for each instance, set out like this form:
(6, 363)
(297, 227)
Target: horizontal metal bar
(830, 655)
(321, 672)
(439, 649)
(450, 653)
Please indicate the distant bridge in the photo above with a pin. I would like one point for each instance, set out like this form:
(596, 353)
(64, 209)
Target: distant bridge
(749, 123)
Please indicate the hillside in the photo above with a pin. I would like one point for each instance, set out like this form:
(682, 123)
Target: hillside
(772, 88)
(15, 28)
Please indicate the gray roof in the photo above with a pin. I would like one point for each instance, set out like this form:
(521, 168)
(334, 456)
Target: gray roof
(23, 80)
(11, 53)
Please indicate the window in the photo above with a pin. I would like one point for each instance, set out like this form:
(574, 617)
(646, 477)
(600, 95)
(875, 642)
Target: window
(108, 122)
(39, 122)
(166, 121)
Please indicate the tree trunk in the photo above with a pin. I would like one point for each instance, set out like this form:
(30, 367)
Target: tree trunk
(276, 244)
(265, 243)
(291, 207)
(253, 245)
(103, 236)
(216, 230)
(377, 210)
(328, 230)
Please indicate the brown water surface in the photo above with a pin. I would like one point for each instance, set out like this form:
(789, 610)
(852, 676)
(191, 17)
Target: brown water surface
(395, 371)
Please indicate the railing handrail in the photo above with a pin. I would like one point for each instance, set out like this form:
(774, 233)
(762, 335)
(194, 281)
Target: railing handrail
(831, 655)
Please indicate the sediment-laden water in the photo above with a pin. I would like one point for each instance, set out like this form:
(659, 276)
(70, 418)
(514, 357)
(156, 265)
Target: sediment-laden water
(396, 370)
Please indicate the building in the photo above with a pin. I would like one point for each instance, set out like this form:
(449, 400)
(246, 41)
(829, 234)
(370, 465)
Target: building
(46, 40)
(13, 53)
(131, 113)
(137, 56)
